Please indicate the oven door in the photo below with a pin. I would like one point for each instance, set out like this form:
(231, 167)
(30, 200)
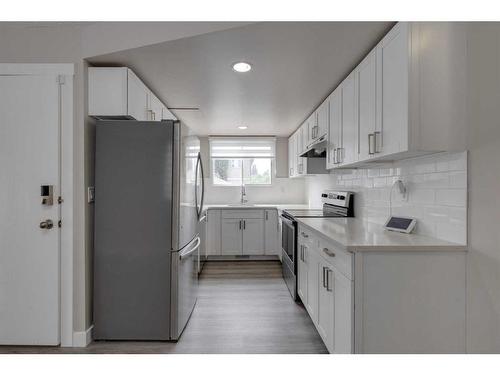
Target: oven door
(288, 238)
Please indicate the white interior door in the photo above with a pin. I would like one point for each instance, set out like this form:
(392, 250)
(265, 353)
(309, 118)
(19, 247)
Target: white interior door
(29, 255)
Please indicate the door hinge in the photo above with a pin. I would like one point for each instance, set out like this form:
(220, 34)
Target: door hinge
(60, 200)
(59, 223)
(61, 80)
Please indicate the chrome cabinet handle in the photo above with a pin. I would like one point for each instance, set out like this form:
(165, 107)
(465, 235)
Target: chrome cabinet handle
(240, 224)
(47, 224)
(328, 252)
(328, 286)
(267, 215)
(304, 235)
(244, 224)
(338, 153)
(371, 138)
(324, 279)
(376, 145)
(304, 251)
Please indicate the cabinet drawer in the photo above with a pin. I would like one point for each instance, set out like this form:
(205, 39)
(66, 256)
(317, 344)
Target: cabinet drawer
(307, 237)
(243, 214)
(340, 259)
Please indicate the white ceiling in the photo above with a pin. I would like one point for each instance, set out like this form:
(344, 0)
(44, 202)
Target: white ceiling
(295, 66)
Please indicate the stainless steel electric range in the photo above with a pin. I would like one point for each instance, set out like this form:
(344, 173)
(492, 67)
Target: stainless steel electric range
(335, 204)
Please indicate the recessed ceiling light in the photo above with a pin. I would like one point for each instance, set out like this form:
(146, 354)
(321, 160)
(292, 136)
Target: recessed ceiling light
(242, 67)
(242, 127)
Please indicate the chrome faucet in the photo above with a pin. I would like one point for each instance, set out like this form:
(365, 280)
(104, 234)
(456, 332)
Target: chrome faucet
(243, 195)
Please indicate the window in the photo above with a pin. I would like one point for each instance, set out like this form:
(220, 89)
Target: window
(237, 161)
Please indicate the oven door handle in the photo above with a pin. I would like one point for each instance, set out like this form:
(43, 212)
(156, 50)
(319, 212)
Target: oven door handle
(287, 221)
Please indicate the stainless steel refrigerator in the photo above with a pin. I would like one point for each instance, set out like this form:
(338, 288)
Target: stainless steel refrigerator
(148, 201)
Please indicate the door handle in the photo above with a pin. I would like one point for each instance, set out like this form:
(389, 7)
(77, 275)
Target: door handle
(47, 224)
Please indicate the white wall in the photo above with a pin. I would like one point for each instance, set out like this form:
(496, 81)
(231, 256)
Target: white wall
(437, 193)
(282, 191)
(483, 143)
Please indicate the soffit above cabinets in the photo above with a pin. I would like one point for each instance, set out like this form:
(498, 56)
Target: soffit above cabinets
(295, 66)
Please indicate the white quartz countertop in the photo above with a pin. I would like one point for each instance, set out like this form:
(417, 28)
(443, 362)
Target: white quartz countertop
(357, 235)
(254, 206)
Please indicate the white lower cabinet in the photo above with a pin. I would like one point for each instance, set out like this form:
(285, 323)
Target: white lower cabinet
(326, 291)
(271, 232)
(231, 239)
(382, 301)
(213, 233)
(326, 304)
(249, 232)
(253, 237)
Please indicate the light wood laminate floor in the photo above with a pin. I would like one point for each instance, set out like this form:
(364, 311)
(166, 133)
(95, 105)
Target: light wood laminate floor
(243, 307)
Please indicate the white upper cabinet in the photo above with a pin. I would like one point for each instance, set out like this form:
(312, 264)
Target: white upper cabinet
(348, 151)
(335, 128)
(366, 77)
(393, 62)
(403, 100)
(117, 93)
(137, 98)
(322, 119)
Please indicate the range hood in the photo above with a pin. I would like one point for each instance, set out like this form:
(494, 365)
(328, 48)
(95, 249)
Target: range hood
(317, 149)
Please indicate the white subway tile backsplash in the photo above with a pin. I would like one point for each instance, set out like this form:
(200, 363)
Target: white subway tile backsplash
(451, 197)
(458, 179)
(437, 193)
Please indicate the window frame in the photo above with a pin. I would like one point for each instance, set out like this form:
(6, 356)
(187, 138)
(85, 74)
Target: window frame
(271, 158)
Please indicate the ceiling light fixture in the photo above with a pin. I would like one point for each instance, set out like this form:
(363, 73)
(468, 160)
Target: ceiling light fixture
(242, 67)
(242, 127)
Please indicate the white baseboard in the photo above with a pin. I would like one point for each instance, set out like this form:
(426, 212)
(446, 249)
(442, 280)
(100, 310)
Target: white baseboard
(82, 338)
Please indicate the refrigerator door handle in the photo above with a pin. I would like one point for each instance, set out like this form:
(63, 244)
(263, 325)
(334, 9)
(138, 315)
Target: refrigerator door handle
(199, 167)
(185, 254)
(202, 184)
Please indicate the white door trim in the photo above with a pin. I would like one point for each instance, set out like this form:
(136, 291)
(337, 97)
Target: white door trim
(66, 144)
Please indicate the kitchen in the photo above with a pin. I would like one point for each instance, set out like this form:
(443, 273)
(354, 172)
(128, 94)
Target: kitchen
(329, 265)
(343, 209)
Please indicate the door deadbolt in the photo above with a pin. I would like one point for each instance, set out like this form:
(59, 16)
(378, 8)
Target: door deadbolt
(47, 224)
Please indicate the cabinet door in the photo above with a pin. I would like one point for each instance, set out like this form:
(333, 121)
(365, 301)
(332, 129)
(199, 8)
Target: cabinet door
(271, 233)
(231, 237)
(322, 119)
(312, 281)
(366, 76)
(393, 61)
(155, 108)
(326, 304)
(213, 232)
(302, 273)
(137, 98)
(253, 237)
(343, 313)
(291, 157)
(349, 131)
(334, 128)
